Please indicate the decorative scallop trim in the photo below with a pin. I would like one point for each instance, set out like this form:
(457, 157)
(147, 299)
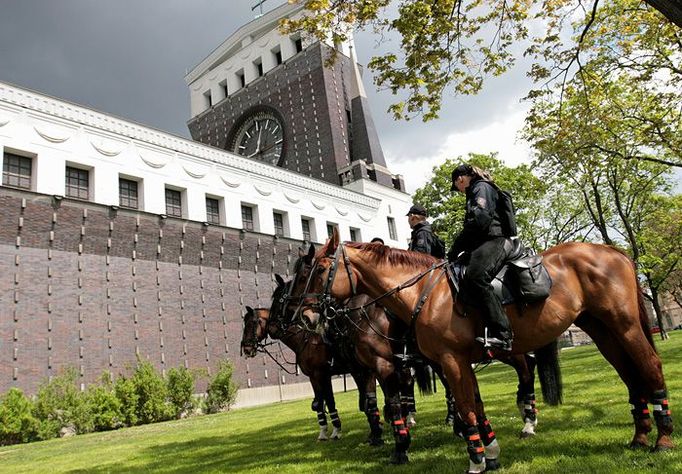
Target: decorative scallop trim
(341, 211)
(151, 163)
(292, 199)
(232, 185)
(318, 206)
(198, 86)
(263, 191)
(104, 151)
(194, 174)
(366, 219)
(4, 121)
(49, 136)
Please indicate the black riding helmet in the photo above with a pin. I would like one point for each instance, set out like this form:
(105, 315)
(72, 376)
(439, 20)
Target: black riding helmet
(461, 170)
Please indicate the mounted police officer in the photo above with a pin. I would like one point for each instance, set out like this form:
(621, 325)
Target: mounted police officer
(484, 238)
(423, 239)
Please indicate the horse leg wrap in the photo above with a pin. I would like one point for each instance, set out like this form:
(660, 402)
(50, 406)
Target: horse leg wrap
(492, 448)
(486, 432)
(530, 412)
(373, 417)
(662, 414)
(640, 409)
(451, 417)
(402, 434)
(474, 445)
(336, 423)
(322, 422)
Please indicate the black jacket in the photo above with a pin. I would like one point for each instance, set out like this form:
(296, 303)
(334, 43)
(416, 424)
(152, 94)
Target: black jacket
(422, 238)
(481, 222)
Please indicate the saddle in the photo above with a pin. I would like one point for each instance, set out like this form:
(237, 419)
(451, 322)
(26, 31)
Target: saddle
(523, 278)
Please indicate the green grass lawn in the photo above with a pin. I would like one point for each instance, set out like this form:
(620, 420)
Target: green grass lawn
(588, 433)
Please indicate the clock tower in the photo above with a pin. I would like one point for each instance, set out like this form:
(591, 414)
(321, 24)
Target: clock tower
(272, 98)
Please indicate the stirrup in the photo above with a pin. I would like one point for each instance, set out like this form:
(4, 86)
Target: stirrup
(490, 342)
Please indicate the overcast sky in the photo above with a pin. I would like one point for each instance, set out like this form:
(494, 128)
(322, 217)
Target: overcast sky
(129, 58)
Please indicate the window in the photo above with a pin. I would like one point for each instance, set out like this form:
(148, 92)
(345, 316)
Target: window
(16, 171)
(392, 233)
(77, 183)
(278, 55)
(298, 43)
(247, 217)
(330, 228)
(127, 193)
(259, 66)
(355, 235)
(223, 88)
(279, 223)
(240, 78)
(173, 202)
(208, 101)
(305, 225)
(212, 210)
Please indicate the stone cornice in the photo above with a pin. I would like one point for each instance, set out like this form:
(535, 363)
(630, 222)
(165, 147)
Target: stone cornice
(119, 128)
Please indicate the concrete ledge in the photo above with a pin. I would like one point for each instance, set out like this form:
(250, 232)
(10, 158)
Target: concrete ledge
(249, 397)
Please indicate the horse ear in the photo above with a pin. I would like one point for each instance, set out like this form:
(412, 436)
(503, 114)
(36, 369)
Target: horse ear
(279, 280)
(311, 254)
(333, 242)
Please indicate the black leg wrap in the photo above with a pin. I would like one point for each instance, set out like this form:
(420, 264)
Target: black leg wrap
(662, 413)
(321, 418)
(451, 417)
(486, 432)
(474, 445)
(530, 412)
(407, 405)
(640, 409)
(374, 420)
(334, 416)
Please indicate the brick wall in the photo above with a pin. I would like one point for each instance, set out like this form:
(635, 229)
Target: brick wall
(89, 287)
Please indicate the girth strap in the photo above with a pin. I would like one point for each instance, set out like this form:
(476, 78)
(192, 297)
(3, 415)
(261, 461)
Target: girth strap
(426, 291)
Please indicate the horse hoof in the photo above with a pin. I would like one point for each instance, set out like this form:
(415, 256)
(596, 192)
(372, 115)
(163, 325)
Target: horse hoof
(660, 448)
(399, 458)
(638, 445)
(526, 435)
(491, 464)
(375, 442)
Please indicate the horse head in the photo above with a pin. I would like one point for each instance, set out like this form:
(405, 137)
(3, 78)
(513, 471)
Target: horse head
(255, 330)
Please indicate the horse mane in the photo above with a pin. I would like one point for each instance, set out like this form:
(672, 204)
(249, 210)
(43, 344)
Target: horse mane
(385, 254)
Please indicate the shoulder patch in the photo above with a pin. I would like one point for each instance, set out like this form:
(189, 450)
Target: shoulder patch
(481, 201)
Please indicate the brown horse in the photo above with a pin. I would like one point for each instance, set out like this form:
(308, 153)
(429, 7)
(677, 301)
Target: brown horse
(594, 286)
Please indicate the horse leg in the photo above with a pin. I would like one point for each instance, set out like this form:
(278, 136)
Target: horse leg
(451, 418)
(390, 383)
(525, 393)
(407, 403)
(372, 412)
(461, 379)
(318, 407)
(485, 430)
(616, 355)
(328, 394)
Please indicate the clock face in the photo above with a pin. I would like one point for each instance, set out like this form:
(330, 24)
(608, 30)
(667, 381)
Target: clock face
(261, 137)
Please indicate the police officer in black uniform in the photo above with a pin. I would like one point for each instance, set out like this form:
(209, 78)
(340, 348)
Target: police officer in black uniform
(422, 240)
(483, 239)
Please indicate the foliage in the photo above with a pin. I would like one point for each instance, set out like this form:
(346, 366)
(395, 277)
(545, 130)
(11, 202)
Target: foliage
(572, 438)
(152, 394)
(103, 405)
(221, 392)
(180, 384)
(126, 394)
(454, 45)
(59, 404)
(17, 423)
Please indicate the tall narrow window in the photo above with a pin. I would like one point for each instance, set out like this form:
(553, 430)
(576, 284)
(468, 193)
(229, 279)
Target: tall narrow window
(278, 56)
(241, 78)
(247, 217)
(298, 43)
(77, 183)
(208, 100)
(392, 233)
(173, 203)
(279, 223)
(355, 235)
(330, 228)
(127, 193)
(212, 210)
(223, 88)
(259, 67)
(16, 171)
(305, 225)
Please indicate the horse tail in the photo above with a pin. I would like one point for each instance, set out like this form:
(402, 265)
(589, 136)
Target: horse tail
(422, 376)
(549, 372)
(643, 315)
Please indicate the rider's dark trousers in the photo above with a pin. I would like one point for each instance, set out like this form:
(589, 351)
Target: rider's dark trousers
(484, 264)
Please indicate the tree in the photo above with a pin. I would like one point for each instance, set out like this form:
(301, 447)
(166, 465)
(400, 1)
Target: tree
(545, 215)
(453, 44)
